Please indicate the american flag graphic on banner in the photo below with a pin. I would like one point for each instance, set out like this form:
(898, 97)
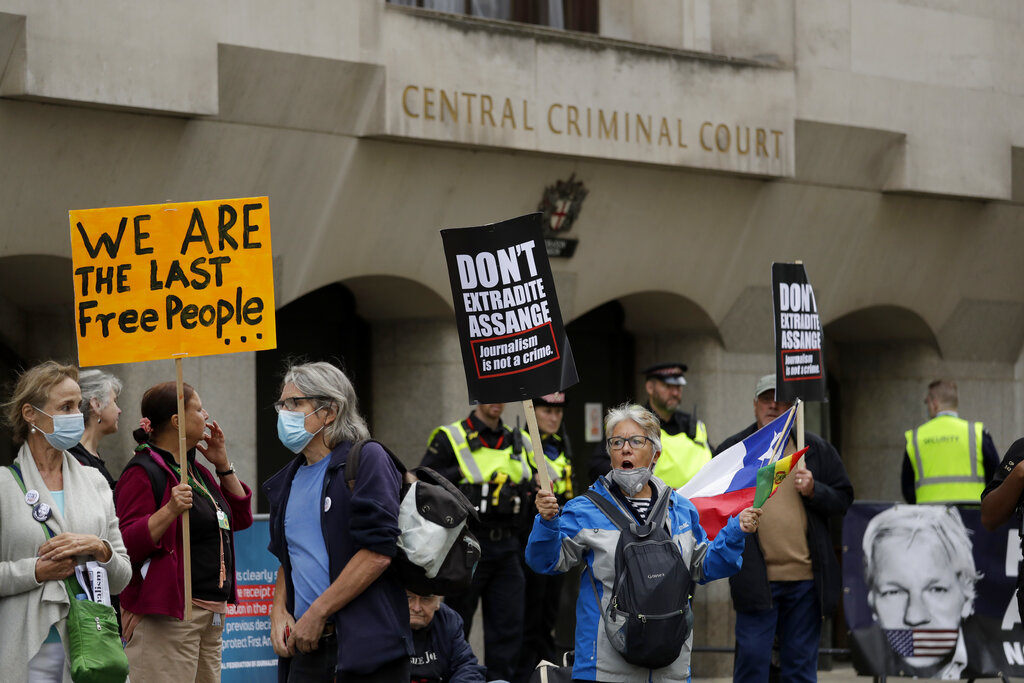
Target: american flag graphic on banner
(922, 642)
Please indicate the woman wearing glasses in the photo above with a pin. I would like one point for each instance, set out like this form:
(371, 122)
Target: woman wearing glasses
(583, 533)
(157, 485)
(336, 615)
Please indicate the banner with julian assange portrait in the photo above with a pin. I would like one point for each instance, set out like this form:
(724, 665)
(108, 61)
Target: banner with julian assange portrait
(929, 592)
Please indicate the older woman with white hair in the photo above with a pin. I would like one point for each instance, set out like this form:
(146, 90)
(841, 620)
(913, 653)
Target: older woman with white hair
(584, 533)
(100, 413)
(336, 614)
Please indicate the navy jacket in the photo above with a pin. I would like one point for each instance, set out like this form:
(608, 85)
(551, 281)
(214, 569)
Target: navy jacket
(373, 629)
(454, 654)
(833, 494)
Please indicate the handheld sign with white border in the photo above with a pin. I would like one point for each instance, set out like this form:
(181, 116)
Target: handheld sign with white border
(799, 362)
(162, 280)
(514, 346)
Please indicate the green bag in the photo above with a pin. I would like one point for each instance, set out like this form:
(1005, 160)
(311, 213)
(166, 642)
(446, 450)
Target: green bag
(95, 652)
(94, 649)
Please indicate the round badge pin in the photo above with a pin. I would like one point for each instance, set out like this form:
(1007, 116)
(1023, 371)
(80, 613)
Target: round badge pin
(32, 496)
(41, 512)
(327, 503)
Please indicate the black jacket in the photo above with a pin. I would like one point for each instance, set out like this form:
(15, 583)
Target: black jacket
(454, 655)
(833, 494)
(89, 460)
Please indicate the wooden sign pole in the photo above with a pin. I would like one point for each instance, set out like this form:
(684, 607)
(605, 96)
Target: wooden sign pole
(186, 536)
(538, 451)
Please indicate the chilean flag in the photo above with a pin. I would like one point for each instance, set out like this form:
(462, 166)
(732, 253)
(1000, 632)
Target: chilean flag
(727, 484)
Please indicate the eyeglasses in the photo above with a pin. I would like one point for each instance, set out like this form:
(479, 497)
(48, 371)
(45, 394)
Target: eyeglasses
(291, 403)
(617, 442)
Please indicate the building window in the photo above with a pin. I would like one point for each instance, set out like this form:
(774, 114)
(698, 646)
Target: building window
(571, 15)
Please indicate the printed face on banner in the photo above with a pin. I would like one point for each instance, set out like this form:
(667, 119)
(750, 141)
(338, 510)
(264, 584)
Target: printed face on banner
(913, 599)
(915, 587)
(153, 281)
(513, 342)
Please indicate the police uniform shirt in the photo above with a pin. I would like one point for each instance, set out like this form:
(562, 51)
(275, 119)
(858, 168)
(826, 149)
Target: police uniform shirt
(441, 458)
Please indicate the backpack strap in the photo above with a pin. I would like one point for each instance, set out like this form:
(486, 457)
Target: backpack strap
(610, 510)
(352, 463)
(158, 476)
(655, 518)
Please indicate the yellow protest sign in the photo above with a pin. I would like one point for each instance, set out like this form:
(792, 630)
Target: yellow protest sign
(156, 281)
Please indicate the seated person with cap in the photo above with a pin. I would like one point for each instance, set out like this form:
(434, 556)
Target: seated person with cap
(684, 438)
(441, 651)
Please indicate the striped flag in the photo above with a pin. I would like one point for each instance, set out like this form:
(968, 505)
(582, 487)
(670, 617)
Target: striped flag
(922, 642)
(770, 477)
(727, 484)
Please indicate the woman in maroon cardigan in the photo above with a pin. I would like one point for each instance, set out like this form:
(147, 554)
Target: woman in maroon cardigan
(161, 644)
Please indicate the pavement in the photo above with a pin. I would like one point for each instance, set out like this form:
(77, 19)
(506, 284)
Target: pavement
(840, 673)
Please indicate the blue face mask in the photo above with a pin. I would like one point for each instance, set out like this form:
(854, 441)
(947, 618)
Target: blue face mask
(291, 429)
(67, 430)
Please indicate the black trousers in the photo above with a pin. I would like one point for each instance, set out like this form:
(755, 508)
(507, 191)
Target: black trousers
(499, 582)
(319, 666)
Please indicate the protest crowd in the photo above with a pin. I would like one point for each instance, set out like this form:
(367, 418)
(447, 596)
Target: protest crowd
(342, 613)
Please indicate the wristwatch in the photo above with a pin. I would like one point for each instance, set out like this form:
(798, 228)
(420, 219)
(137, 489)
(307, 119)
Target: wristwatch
(229, 470)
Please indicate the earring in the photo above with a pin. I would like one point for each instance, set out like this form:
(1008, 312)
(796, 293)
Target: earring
(99, 420)
(33, 430)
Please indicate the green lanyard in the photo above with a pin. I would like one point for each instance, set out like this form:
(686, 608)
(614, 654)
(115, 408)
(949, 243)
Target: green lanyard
(195, 481)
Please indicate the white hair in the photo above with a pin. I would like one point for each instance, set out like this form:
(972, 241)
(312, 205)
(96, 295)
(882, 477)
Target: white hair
(97, 384)
(645, 419)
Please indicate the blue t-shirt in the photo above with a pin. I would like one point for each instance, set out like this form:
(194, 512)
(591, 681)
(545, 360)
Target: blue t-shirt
(306, 548)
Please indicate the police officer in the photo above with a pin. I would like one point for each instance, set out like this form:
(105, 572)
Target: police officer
(491, 464)
(947, 459)
(544, 593)
(684, 438)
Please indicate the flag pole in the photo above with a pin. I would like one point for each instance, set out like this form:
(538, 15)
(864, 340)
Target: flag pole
(186, 536)
(799, 412)
(538, 450)
(780, 447)
(799, 425)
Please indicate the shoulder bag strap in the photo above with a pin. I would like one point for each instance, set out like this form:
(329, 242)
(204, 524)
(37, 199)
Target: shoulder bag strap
(16, 473)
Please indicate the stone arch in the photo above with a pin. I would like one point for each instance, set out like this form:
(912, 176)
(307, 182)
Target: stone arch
(614, 340)
(879, 359)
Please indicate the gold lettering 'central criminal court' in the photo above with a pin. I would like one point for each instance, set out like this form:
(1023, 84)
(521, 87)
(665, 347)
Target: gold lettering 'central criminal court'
(481, 109)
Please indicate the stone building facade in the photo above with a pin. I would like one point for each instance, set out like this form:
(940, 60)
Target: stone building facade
(878, 141)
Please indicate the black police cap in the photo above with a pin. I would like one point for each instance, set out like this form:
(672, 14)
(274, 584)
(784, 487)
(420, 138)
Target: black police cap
(669, 373)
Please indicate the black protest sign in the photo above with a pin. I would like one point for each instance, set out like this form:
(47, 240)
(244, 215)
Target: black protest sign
(514, 346)
(799, 361)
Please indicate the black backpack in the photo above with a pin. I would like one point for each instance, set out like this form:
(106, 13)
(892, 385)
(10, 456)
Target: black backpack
(648, 617)
(437, 554)
(157, 475)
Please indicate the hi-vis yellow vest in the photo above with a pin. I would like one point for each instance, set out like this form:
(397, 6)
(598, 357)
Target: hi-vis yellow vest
(945, 454)
(480, 466)
(559, 470)
(681, 457)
